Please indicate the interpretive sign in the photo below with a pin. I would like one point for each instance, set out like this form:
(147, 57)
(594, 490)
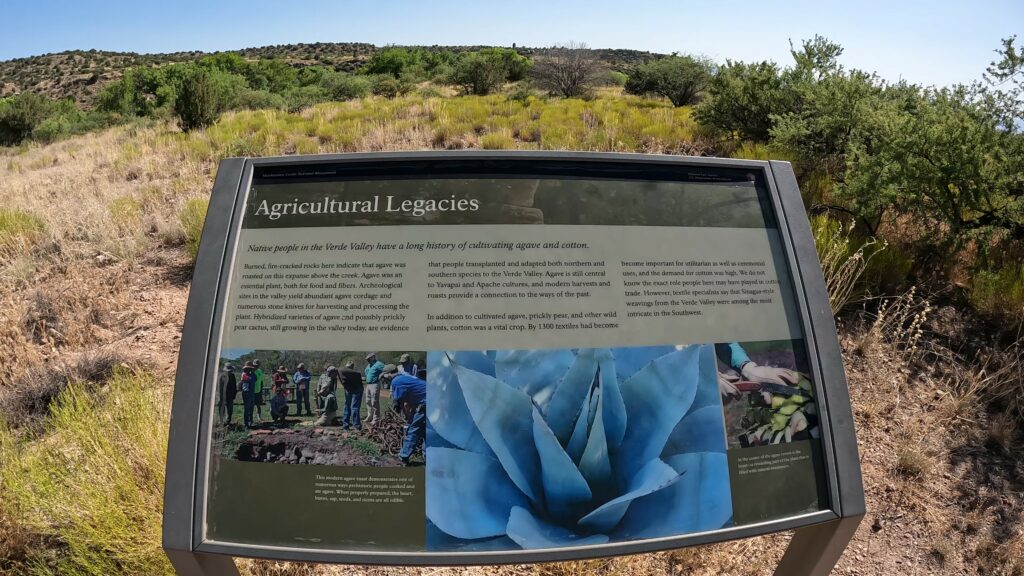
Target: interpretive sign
(456, 358)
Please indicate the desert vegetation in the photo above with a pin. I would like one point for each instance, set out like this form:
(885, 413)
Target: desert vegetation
(916, 202)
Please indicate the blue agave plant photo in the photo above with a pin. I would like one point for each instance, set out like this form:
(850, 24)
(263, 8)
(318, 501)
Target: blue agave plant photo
(549, 448)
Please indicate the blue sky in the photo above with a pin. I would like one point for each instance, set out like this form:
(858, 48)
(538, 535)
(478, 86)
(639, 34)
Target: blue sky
(935, 42)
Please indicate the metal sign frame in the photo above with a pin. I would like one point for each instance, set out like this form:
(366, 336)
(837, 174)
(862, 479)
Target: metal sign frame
(820, 536)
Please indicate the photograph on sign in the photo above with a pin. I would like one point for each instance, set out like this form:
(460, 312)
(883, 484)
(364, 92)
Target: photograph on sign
(504, 362)
(299, 412)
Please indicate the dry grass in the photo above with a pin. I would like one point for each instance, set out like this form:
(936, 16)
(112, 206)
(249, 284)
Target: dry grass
(93, 482)
(842, 261)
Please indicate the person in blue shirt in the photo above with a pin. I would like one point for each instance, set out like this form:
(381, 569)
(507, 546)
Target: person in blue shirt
(410, 393)
(302, 379)
(373, 371)
(736, 357)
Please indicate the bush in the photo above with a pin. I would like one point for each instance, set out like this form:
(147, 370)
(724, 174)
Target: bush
(479, 73)
(743, 98)
(340, 86)
(999, 291)
(260, 100)
(681, 79)
(204, 95)
(616, 78)
(391, 61)
(192, 217)
(94, 482)
(389, 87)
(570, 71)
(141, 91)
(20, 115)
(516, 66)
(305, 96)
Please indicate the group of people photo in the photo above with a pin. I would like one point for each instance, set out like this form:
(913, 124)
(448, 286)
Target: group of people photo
(308, 389)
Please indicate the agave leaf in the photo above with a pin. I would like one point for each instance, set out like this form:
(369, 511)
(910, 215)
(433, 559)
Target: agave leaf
(504, 416)
(595, 464)
(630, 360)
(564, 406)
(613, 410)
(564, 486)
(447, 412)
(578, 441)
(437, 540)
(435, 439)
(707, 389)
(531, 533)
(535, 372)
(700, 500)
(654, 476)
(656, 398)
(459, 476)
(701, 430)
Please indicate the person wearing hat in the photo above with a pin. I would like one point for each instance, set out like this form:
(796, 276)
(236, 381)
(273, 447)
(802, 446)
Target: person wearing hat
(373, 370)
(248, 396)
(328, 381)
(407, 366)
(227, 388)
(280, 379)
(279, 401)
(327, 401)
(352, 380)
(302, 378)
(410, 393)
(258, 390)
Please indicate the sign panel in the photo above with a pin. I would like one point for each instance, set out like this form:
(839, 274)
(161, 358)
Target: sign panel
(441, 358)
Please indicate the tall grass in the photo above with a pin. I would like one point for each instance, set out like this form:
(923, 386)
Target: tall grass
(1000, 291)
(843, 261)
(18, 230)
(192, 217)
(94, 481)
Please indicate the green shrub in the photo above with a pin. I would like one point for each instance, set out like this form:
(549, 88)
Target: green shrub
(391, 61)
(304, 96)
(94, 481)
(260, 100)
(20, 115)
(516, 66)
(479, 73)
(141, 91)
(204, 95)
(616, 78)
(269, 74)
(192, 217)
(999, 291)
(743, 98)
(341, 86)
(681, 79)
(18, 230)
(389, 87)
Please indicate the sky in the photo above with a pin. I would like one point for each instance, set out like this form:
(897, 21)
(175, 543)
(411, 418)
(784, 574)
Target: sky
(932, 43)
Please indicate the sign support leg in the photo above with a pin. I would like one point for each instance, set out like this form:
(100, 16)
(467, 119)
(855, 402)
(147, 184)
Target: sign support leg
(198, 564)
(814, 550)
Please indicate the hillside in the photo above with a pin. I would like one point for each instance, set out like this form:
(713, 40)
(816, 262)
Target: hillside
(81, 74)
(101, 279)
